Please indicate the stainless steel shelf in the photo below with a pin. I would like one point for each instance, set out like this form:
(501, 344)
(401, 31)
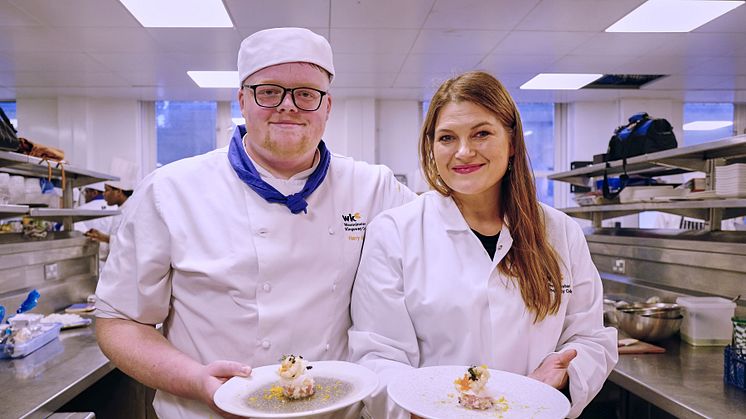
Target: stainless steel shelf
(695, 209)
(667, 162)
(59, 215)
(21, 164)
(698, 158)
(8, 211)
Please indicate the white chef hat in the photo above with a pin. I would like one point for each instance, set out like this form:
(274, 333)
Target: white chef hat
(283, 45)
(99, 186)
(126, 171)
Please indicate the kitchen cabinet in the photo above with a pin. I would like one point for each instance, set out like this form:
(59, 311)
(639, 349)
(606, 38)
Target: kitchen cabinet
(705, 205)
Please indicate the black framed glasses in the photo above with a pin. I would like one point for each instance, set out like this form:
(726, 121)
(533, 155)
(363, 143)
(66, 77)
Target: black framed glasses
(272, 95)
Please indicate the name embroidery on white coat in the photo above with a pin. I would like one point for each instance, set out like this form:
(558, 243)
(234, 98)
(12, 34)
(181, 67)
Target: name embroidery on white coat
(566, 288)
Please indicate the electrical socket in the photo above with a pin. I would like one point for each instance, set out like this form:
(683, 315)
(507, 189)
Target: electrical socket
(619, 266)
(51, 272)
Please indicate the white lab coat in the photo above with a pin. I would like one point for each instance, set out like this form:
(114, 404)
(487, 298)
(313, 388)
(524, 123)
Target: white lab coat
(427, 293)
(233, 277)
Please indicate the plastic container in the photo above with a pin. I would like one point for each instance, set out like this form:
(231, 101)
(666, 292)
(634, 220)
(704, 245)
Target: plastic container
(707, 320)
(50, 331)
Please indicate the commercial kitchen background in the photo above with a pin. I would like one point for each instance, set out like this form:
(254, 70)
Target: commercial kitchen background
(87, 77)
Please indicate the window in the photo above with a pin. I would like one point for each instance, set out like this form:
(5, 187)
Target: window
(236, 116)
(184, 129)
(10, 110)
(538, 131)
(705, 122)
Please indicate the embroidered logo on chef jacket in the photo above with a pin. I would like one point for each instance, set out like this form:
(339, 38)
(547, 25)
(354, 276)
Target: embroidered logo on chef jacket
(354, 224)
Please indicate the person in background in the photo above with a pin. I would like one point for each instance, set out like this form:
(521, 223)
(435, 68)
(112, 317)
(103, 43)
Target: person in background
(115, 194)
(115, 198)
(478, 271)
(93, 192)
(248, 252)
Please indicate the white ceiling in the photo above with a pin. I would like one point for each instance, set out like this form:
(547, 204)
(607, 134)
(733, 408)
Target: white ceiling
(383, 48)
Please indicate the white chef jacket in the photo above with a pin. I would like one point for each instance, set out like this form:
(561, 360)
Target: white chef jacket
(427, 293)
(234, 277)
(102, 224)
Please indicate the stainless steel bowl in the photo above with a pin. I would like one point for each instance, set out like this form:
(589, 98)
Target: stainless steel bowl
(665, 314)
(650, 327)
(650, 306)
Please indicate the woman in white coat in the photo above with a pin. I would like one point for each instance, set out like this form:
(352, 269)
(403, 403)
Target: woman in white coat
(478, 271)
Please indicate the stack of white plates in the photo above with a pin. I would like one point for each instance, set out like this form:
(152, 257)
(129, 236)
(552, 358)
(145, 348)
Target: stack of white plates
(730, 180)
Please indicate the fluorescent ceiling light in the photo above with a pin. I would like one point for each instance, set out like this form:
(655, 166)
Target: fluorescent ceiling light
(215, 79)
(179, 13)
(556, 81)
(672, 15)
(527, 133)
(706, 125)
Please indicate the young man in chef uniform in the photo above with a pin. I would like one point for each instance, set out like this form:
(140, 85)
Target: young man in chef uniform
(248, 252)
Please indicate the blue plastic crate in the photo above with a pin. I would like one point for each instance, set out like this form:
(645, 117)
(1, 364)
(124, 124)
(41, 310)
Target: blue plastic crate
(734, 368)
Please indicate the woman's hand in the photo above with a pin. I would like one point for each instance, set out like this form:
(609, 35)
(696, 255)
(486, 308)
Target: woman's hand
(553, 370)
(213, 375)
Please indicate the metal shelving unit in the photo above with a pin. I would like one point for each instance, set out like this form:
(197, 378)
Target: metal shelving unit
(61, 214)
(21, 164)
(10, 211)
(700, 158)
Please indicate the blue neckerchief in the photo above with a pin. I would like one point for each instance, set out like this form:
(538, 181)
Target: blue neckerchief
(249, 175)
(97, 197)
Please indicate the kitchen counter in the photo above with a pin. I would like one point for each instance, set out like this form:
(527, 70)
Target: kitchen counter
(686, 381)
(40, 383)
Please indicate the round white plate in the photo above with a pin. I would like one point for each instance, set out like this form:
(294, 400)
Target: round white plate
(233, 396)
(429, 392)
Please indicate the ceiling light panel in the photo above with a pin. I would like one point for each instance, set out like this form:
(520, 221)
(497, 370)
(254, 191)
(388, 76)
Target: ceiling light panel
(559, 81)
(672, 15)
(179, 13)
(215, 79)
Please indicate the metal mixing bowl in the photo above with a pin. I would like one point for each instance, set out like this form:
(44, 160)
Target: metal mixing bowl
(650, 306)
(650, 327)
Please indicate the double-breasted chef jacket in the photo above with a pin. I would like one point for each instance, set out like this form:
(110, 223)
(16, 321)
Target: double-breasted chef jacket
(234, 277)
(427, 293)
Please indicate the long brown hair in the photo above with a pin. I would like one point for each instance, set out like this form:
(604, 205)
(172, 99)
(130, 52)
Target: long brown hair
(531, 259)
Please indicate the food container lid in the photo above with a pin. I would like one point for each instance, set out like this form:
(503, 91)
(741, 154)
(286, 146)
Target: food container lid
(705, 302)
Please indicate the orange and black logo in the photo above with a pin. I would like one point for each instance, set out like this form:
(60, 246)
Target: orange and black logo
(353, 222)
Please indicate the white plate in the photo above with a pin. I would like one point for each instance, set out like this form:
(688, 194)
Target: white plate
(233, 396)
(429, 392)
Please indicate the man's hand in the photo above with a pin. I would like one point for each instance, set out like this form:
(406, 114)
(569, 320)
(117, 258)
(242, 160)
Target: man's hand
(97, 235)
(553, 370)
(213, 375)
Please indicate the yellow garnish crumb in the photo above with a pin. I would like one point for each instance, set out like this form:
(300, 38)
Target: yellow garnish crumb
(275, 392)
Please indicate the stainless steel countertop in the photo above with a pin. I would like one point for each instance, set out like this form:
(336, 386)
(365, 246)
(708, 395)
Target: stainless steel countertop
(40, 383)
(686, 381)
